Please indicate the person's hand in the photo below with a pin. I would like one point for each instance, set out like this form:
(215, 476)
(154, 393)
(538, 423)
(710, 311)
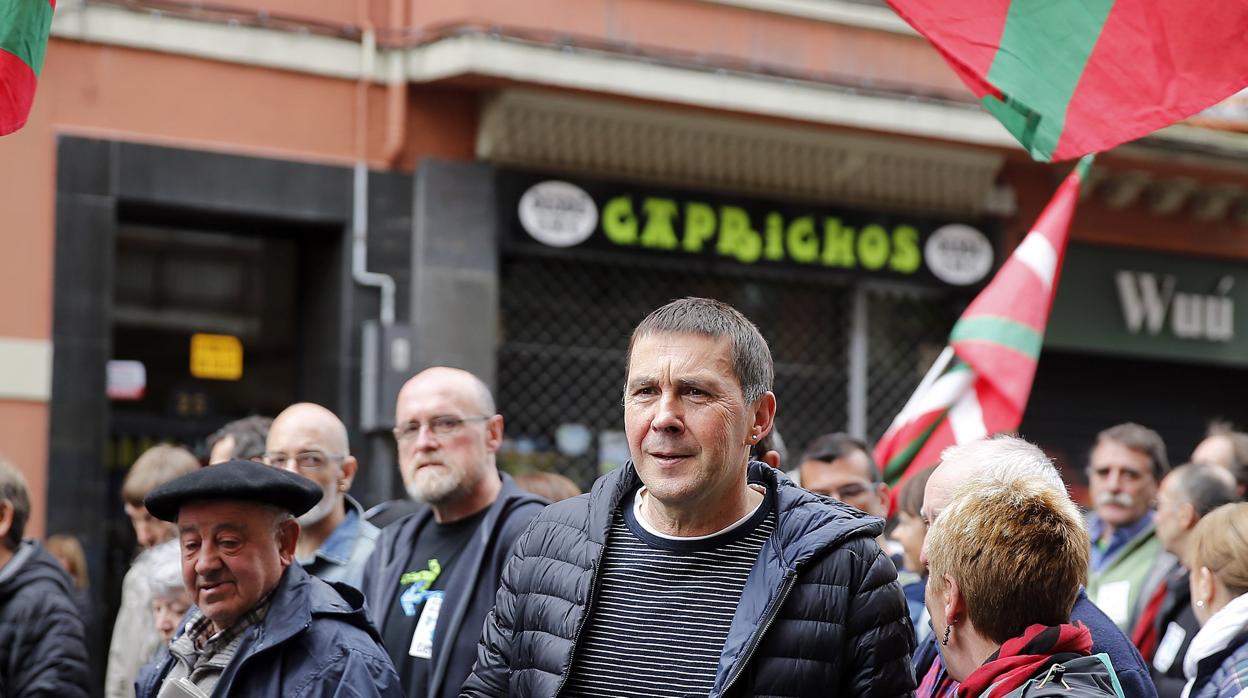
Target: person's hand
(771, 458)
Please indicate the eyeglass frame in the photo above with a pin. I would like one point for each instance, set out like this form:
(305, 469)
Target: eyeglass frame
(266, 457)
(450, 426)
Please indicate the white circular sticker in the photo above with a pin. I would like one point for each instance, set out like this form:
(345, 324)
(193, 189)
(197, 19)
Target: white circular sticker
(958, 254)
(558, 214)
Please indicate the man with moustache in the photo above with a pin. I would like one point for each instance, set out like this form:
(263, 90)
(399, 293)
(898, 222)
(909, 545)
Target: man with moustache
(334, 539)
(260, 626)
(692, 570)
(1124, 469)
(432, 577)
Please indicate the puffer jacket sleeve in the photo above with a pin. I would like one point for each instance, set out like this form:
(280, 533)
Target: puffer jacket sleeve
(48, 647)
(880, 639)
(490, 673)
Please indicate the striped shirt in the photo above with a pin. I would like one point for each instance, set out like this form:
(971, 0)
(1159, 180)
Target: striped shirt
(663, 608)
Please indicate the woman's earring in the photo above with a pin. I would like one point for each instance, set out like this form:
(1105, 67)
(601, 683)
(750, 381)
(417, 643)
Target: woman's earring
(948, 629)
(1200, 603)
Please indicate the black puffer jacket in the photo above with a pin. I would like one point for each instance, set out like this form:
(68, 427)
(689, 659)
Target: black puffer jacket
(42, 647)
(821, 614)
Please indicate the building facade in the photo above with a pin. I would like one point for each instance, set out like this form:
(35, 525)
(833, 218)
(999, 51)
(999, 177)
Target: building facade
(216, 211)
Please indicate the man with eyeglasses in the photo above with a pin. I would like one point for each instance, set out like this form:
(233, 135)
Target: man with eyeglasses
(335, 540)
(434, 573)
(840, 466)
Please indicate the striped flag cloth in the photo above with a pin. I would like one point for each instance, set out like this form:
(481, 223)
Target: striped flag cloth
(1071, 77)
(24, 27)
(980, 383)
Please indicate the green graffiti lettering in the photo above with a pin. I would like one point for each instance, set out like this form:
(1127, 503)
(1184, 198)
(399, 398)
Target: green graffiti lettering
(736, 237)
(838, 244)
(659, 233)
(873, 247)
(619, 223)
(774, 250)
(803, 241)
(699, 225)
(906, 257)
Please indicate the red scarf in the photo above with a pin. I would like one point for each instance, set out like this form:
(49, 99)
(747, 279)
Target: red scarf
(1020, 659)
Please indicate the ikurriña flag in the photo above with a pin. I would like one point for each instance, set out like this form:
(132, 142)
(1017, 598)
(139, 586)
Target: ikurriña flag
(24, 27)
(980, 383)
(1072, 77)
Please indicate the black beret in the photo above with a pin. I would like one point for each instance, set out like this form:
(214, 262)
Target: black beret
(235, 480)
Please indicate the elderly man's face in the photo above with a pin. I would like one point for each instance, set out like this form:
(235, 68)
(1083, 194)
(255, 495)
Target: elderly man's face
(446, 441)
(233, 555)
(685, 417)
(1120, 483)
(1173, 515)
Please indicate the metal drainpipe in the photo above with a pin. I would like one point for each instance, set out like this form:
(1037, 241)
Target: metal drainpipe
(369, 344)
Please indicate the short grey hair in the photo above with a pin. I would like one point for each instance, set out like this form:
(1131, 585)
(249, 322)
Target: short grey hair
(1206, 487)
(751, 357)
(164, 565)
(1004, 458)
(15, 493)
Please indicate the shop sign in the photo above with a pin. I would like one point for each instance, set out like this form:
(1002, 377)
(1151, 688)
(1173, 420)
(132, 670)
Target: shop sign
(216, 357)
(632, 220)
(1150, 305)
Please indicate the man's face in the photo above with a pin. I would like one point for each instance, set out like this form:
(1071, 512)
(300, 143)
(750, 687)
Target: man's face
(441, 467)
(1172, 514)
(148, 529)
(1120, 482)
(232, 556)
(848, 479)
(940, 486)
(299, 443)
(1215, 450)
(685, 417)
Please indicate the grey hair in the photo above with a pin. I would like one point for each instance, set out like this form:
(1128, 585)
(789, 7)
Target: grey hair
(1206, 487)
(164, 564)
(15, 493)
(1004, 458)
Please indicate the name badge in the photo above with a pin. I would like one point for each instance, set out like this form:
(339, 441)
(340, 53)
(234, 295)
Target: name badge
(422, 638)
(1114, 600)
(1168, 648)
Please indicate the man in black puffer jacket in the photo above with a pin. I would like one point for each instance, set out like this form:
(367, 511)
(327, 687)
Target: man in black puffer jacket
(691, 570)
(42, 647)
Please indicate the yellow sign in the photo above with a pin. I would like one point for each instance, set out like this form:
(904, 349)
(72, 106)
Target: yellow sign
(216, 357)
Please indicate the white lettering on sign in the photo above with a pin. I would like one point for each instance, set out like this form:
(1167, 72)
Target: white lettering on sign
(1147, 301)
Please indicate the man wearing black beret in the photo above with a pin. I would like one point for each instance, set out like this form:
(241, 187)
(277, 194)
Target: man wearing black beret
(260, 625)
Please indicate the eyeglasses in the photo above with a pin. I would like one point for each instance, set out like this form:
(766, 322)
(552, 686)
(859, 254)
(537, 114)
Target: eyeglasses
(440, 426)
(305, 461)
(851, 490)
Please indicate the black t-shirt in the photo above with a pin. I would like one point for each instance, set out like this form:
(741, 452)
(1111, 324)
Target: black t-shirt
(428, 566)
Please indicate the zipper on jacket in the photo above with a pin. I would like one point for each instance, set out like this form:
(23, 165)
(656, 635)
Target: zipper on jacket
(790, 578)
(589, 607)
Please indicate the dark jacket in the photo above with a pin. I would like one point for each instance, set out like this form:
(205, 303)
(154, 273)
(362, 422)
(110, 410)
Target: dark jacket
(1224, 673)
(1177, 609)
(470, 585)
(315, 640)
(43, 650)
(821, 613)
(1080, 677)
(1107, 639)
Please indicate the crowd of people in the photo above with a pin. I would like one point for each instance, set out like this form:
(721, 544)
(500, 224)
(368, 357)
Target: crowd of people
(699, 568)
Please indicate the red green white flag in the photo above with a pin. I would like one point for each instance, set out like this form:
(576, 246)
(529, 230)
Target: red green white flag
(24, 27)
(980, 383)
(1072, 77)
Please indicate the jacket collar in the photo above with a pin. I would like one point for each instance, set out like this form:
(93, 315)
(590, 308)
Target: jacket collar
(1216, 635)
(806, 523)
(338, 547)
